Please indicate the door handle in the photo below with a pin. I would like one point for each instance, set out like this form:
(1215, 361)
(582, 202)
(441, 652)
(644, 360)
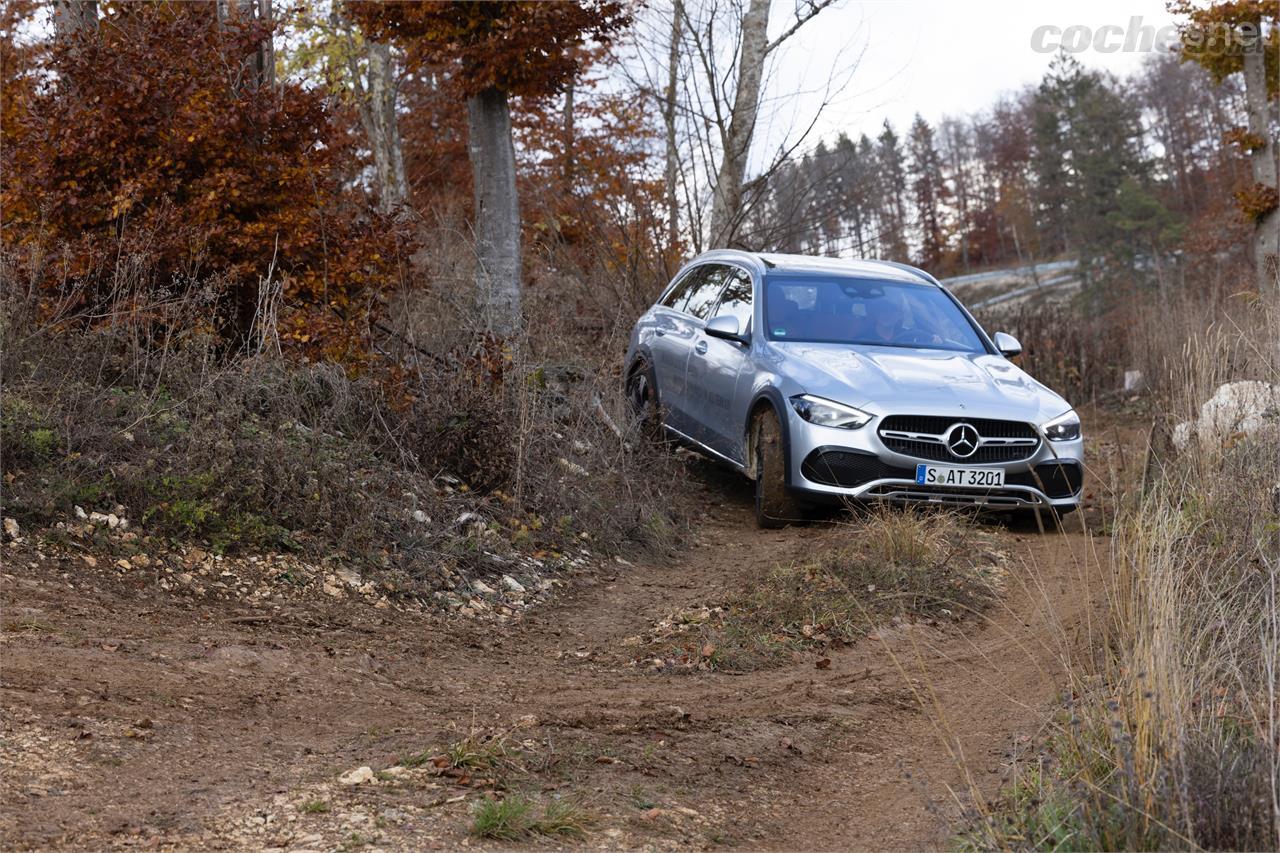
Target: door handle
(701, 347)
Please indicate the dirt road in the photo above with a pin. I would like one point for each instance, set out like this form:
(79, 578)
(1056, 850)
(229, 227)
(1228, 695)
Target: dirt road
(132, 717)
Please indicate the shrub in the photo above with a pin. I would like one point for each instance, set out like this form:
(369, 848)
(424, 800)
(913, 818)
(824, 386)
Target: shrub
(184, 167)
(265, 453)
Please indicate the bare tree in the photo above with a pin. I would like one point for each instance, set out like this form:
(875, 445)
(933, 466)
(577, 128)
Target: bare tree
(727, 201)
(688, 58)
(375, 92)
(669, 102)
(738, 131)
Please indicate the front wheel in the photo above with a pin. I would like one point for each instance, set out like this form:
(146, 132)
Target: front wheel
(775, 506)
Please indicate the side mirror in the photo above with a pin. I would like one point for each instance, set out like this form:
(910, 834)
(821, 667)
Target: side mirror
(725, 327)
(1007, 344)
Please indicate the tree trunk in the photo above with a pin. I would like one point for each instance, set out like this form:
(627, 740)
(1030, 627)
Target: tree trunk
(72, 17)
(669, 121)
(260, 66)
(493, 165)
(567, 133)
(1266, 235)
(382, 126)
(726, 204)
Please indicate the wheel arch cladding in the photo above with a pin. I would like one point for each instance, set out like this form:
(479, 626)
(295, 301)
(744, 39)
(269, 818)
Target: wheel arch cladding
(769, 398)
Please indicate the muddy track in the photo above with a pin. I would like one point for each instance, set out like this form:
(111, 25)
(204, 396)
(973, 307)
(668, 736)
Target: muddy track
(132, 719)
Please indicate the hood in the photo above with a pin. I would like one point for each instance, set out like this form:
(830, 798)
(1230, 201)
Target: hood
(896, 380)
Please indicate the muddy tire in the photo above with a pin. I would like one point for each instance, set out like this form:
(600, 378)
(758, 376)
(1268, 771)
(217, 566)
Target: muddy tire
(642, 397)
(775, 506)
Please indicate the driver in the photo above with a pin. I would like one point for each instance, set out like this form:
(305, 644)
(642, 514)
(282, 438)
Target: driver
(884, 325)
(883, 321)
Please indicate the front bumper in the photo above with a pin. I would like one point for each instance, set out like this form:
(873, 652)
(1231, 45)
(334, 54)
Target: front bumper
(840, 464)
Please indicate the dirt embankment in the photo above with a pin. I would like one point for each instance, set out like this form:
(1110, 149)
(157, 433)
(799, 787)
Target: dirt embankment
(133, 717)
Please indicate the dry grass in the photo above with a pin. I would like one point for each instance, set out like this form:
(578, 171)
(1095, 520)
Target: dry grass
(252, 451)
(894, 563)
(1173, 741)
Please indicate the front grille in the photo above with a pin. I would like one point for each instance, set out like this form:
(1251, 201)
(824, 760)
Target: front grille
(937, 425)
(936, 451)
(848, 469)
(1055, 479)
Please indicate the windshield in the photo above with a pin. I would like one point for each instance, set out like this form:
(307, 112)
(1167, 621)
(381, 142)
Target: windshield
(866, 311)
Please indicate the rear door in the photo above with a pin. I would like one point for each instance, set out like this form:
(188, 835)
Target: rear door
(673, 331)
(716, 368)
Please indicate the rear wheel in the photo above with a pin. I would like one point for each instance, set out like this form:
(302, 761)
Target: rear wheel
(775, 506)
(642, 396)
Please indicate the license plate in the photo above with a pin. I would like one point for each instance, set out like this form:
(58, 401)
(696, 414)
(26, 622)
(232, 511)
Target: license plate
(972, 478)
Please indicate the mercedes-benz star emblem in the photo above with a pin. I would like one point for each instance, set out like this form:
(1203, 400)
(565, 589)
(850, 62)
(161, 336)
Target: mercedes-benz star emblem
(962, 440)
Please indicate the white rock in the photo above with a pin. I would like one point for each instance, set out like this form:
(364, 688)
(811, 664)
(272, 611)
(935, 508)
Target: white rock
(359, 776)
(1246, 406)
(420, 516)
(113, 521)
(98, 518)
(481, 588)
(512, 585)
(349, 577)
(11, 528)
(80, 513)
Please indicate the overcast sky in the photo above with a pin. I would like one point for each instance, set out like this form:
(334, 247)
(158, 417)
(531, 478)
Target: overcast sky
(937, 57)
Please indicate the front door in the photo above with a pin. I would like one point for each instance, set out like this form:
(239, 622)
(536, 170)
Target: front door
(672, 341)
(716, 369)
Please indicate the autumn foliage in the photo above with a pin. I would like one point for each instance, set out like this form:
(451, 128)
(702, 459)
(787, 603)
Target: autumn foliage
(151, 138)
(521, 48)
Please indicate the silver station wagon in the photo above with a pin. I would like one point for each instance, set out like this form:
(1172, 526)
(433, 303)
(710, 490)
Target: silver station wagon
(831, 380)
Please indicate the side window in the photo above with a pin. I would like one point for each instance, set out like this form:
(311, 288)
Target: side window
(680, 293)
(736, 299)
(705, 295)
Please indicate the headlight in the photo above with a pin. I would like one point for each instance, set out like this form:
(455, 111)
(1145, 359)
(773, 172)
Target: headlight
(1063, 428)
(822, 412)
